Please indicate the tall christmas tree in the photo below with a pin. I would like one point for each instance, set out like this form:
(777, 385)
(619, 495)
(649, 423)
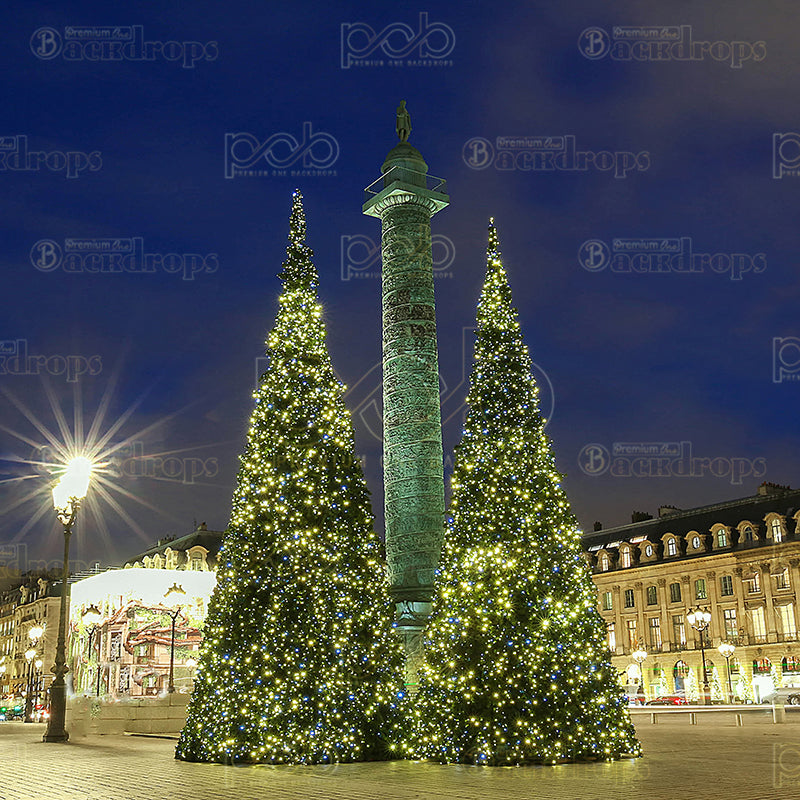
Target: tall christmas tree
(517, 666)
(299, 662)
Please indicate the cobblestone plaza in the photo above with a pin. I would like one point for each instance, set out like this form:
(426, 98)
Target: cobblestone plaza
(758, 761)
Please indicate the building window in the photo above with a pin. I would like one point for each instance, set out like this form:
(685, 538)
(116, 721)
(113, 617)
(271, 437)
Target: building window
(648, 551)
(633, 639)
(777, 530)
(695, 542)
(674, 593)
(749, 536)
(700, 589)
(612, 638)
(655, 633)
(604, 562)
(197, 564)
(754, 582)
(629, 601)
(726, 586)
(722, 538)
(626, 557)
(729, 618)
(759, 625)
(678, 630)
(782, 579)
(786, 617)
(607, 601)
(652, 595)
(672, 547)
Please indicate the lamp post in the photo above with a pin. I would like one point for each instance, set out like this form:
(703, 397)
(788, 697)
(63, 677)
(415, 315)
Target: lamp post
(639, 655)
(92, 617)
(726, 651)
(176, 591)
(700, 619)
(34, 634)
(67, 496)
(38, 664)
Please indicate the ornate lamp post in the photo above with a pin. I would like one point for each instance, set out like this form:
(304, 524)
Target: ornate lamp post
(173, 591)
(38, 664)
(700, 619)
(726, 651)
(639, 655)
(92, 617)
(67, 496)
(35, 633)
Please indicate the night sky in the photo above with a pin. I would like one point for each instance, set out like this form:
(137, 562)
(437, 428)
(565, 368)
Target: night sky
(647, 213)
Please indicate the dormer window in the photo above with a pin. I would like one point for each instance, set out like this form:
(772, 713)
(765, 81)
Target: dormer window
(648, 551)
(604, 563)
(695, 542)
(672, 547)
(777, 530)
(748, 534)
(626, 557)
(722, 538)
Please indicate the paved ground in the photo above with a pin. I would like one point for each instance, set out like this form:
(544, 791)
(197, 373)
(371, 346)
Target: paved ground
(682, 762)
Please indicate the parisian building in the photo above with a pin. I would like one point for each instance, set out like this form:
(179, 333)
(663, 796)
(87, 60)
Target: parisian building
(31, 607)
(738, 560)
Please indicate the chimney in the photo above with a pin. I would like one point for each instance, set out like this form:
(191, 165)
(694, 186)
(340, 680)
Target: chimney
(640, 516)
(598, 526)
(665, 511)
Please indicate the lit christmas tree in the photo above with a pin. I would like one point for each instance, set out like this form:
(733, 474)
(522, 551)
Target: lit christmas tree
(517, 666)
(299, 663)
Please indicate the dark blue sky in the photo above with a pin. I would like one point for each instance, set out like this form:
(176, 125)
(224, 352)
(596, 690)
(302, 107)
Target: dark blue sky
(654, 267)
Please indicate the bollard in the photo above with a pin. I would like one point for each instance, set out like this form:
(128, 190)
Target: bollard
(778, 714)
(692, 718)
(739, 721)
(654, 718)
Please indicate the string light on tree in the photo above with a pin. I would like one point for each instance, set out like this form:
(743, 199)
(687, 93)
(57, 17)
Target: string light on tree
(517, 666)
(299, 663)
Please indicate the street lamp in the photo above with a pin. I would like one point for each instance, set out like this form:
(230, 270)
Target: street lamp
(92, 617)
(639, 655)
(726, 651)
(34, 634)
(700, 619)
(175, 591)
(67, 496)
(38, 664)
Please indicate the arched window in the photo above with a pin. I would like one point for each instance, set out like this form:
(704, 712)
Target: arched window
(604, 562)
(626, 557)
(672, 547)
(681, 669)
(722, 538)
(790, 664)
(762, 666)
(777, 530)
(748, 534)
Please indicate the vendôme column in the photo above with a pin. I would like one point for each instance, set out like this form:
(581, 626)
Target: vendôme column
(405, 198)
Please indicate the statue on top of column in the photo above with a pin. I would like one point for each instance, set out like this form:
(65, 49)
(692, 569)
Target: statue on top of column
(403, 122)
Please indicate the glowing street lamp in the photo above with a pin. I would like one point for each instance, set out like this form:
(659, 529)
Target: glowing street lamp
(726, 651)
(34, 634)
(92, 617)
(174, 591)
(639, 655)
(700, 619)
(67, 496)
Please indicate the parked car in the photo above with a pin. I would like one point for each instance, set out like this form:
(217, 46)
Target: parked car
(788, 695)
(667, 700)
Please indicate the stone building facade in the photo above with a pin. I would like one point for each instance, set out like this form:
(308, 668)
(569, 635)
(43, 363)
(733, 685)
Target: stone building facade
(739, 560)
